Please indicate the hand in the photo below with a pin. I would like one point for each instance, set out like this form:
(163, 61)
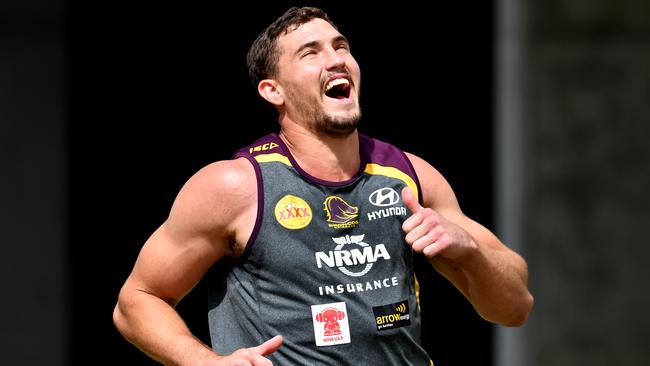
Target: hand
(430, 233)
(253, 356)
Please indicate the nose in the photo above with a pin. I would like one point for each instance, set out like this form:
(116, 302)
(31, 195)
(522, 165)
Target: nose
(334, 59)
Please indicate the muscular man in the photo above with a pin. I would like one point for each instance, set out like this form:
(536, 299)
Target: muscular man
(312, 229)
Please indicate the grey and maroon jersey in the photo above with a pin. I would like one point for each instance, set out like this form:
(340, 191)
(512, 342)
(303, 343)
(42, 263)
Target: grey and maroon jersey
(326, 265)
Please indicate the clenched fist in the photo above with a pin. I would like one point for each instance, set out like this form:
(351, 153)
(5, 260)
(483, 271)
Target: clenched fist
(430, 233)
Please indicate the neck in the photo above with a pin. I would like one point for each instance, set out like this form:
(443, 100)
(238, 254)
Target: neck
(329, 158)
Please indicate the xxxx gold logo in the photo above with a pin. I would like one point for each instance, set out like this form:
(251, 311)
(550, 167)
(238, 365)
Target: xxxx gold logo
(293, 212)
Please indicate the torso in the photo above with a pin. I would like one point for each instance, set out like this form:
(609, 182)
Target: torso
(326, 265)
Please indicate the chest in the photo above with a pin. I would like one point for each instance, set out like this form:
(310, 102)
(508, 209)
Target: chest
(354, 230)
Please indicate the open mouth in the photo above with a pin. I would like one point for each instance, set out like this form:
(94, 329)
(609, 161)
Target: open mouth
(338, 89)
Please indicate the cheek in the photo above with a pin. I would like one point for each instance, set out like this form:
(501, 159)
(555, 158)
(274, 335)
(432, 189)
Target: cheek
(304, 82)
(307, 73)
(353, 66)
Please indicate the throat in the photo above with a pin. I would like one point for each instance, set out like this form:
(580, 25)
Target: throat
(329, 170)
(333, 160)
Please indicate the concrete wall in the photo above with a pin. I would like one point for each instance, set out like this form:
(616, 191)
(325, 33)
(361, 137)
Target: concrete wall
(582, 173)
(33, 275)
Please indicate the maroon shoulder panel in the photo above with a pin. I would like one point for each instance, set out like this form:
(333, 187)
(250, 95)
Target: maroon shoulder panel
(385, 154)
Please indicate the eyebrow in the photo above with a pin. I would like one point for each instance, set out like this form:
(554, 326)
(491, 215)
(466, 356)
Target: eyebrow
(338, 39)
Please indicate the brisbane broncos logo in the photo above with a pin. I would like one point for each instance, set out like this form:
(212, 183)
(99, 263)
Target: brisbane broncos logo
(340, 214)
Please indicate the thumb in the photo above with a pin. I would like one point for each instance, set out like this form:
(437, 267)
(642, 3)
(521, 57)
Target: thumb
(269, 346)
(410, 200)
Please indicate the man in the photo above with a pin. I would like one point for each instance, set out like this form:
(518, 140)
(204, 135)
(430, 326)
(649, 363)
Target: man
(309, 234)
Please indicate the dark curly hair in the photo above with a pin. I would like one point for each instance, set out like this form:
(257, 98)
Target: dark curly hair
(263, 55)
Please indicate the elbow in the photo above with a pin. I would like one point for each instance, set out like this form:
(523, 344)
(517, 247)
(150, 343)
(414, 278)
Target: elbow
(120, 315)
(118, 318)
(520, 313)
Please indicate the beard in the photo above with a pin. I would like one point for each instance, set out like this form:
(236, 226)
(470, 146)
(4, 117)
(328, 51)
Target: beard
(336, 126)
(309, 109)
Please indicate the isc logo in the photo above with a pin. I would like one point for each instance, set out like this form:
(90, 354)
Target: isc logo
(267, 146)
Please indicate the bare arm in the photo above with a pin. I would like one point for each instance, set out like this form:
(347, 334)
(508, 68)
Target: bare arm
(490, 275)
(212, 217)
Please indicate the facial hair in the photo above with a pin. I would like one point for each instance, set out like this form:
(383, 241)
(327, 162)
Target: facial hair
(308, 108)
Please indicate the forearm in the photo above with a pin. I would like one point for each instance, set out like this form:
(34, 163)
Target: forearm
(155, 327)
(491, 276)
(494, 280)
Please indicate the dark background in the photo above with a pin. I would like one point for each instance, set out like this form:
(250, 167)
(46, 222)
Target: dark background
(150, 92)
(107, 108)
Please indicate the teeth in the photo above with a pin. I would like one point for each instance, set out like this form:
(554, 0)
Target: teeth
(336, 82)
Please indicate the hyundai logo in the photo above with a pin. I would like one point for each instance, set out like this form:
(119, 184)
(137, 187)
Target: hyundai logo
(384, 197)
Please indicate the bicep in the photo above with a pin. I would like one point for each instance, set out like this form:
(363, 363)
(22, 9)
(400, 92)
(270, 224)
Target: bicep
(203, 222)
(170, 265)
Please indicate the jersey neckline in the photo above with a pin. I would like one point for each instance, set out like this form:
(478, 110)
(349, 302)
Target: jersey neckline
(311, 178)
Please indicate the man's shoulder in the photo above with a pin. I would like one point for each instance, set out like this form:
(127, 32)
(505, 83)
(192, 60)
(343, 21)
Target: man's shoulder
(378, 145)
(384, 153)
(226, 174)
(217, 192)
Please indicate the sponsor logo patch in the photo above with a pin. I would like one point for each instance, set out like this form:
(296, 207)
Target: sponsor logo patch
(392, 316)
(340, 214)
(352, 252)
(387, 212)
(384, 197)
(293, 212)
(330, 324)
(265, 147)
(358, 286)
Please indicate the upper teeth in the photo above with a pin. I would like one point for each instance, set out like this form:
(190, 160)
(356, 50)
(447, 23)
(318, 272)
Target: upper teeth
(336, 82)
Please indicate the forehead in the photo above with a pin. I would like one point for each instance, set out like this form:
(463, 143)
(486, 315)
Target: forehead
(316, 30)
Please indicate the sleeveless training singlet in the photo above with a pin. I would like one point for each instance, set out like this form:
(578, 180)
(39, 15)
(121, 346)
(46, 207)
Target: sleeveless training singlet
(326, 266)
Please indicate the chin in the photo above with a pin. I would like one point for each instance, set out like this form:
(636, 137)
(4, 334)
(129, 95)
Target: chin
(339, 126)
(349, 117)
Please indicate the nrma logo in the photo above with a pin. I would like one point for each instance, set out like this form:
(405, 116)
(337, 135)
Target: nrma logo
(341, 257)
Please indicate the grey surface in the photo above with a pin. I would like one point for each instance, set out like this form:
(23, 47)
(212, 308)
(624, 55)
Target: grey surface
(585, 178)
(32, 185)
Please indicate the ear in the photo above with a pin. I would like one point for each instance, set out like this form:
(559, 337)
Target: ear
(271, 91)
